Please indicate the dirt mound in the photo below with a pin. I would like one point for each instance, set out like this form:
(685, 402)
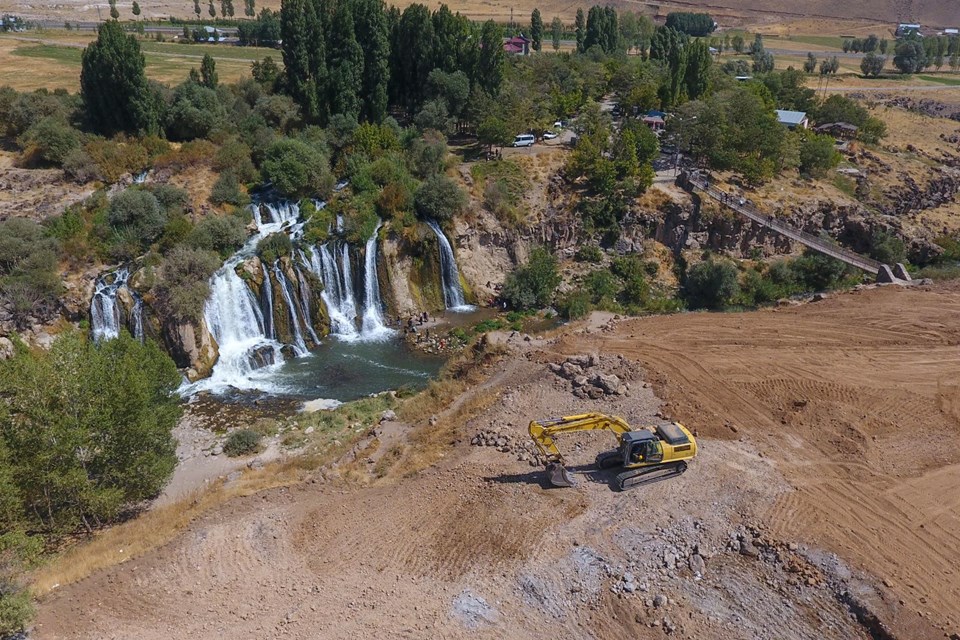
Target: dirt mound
(824, 496)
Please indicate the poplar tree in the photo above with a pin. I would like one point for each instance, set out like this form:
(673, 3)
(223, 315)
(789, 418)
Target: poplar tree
(581, 29)
(536, 30)
(490, 64)
(345, 64)
(113, 84)
(556, 29)
(296, 17)
(208, 72)
(370, 19)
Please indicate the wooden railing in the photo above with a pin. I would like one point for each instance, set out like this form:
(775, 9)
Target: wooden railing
(749, 211)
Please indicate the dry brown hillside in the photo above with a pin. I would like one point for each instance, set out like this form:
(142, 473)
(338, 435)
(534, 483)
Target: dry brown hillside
(818, 14)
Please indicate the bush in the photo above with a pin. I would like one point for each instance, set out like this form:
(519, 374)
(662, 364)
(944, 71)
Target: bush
(182, 285)
(234, 155)
(711, 284)
(574, 305)
(439, 198)
(818, 154)
(602, 287)
(171, 199)
(589, 253)
(274, 247)
(241, 442)
(196, 111)
(223, 234)
(88, 429)
(50, 141)
(427, 155)
(227, 190)
(118, 157)
(817, 272)
(533, 284)
(80, 167)
(297, 170)
(887, 248)
(136, 217)
(16, 609)
(28, 268)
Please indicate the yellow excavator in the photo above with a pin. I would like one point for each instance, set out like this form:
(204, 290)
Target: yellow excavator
(646, 455)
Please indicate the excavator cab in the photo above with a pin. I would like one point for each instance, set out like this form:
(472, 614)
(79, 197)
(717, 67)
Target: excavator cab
(640, 448)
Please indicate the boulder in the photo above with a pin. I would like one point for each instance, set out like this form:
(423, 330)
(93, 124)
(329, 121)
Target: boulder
(6, 348)
(594, 393)
(611, 384)
(191, 346)
(570, 370)
(580, 360)
(697, 564)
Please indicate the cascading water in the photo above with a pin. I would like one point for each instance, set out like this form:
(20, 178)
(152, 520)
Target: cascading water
(136, 319)
(104, 311)
(324, 265)
(304, 289)
(266, 309)
(299, 346)
(453, 297)
(373, 326)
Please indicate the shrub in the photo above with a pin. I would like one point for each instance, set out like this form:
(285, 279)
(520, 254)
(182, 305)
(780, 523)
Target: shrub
(297, 170)
(171, 199)
(88, 429)
(118, 157)
(227, 190)
(817, 272)
(273, 247)
(241, 442)
(533, 284)
(601, 285)
(195, 112)
(574, 305)
(80, 167)
(182, 285)
(223, 234)
(28, 264)
(394, 200)
(234, 155)
(50, 141)
(887, 248)
(711, 284)
(439, 198)
(589, 253)
(818, 155)
(137, 220)
(427, 155)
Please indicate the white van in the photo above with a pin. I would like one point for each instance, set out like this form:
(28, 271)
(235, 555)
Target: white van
(525, 140)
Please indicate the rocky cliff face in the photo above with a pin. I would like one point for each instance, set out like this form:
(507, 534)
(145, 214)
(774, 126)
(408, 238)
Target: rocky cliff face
(192, 347)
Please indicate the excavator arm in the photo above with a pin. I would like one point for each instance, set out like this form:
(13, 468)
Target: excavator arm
(543, 432)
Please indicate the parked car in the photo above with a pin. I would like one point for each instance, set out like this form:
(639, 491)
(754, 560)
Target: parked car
(558, 124)
(523, 140)
(549, 135)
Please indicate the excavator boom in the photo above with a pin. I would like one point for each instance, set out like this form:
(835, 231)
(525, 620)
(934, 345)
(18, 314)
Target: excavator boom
(543, 432)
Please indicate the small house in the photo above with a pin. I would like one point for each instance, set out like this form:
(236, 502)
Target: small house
(214, 34)
(654, 122)
(907, 28)
(792, 119)
(951, 32)
(517, 45)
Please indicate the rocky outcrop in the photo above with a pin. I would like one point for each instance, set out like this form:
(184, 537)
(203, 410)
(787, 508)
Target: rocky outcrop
(410, 278)
(192, 348)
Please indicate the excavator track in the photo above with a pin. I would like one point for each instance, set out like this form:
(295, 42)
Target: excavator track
(649, 475)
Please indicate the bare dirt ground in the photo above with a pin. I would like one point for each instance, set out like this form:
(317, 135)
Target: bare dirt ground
(824, 503)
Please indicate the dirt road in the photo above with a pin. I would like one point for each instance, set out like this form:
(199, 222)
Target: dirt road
(827, 485)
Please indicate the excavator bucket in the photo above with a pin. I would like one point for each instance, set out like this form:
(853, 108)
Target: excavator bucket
(559, 476)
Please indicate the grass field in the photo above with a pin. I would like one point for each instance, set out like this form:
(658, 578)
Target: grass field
(53, 61)
(950, 82)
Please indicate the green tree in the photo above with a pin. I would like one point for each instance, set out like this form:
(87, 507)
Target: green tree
(249, 8)
(818, 155)
(910, 56)
(113, 84)
(697, 73)
(183, 283)
(136, 9)
(29, 283)
(536, 30)
(208, 72)
(872, 65)
(196, 7)
(810, 64)
(556, 32)
(413, 56)
(304, 56)
(297, 169)
(490, 63)
(114, 12)
(692, 24)
(88, 428)
(371, 22)
(534, 283)
(439, 198)
(738, 43)
(212, 10)
(711, 284)
(581, 29)
(345, 64)
(494, 131)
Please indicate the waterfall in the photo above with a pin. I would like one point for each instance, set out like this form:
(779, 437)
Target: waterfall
(137, 317)
(323, 264)
(348, 302)
(304, 289)
(104, 311)
(266, 304)
(372, 327)
(299, 346)
(453, 297)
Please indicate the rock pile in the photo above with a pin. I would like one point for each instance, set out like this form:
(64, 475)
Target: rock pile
(586, 378)
(506, 442)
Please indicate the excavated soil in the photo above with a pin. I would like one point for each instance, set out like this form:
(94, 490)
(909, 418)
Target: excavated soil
(824, 503)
